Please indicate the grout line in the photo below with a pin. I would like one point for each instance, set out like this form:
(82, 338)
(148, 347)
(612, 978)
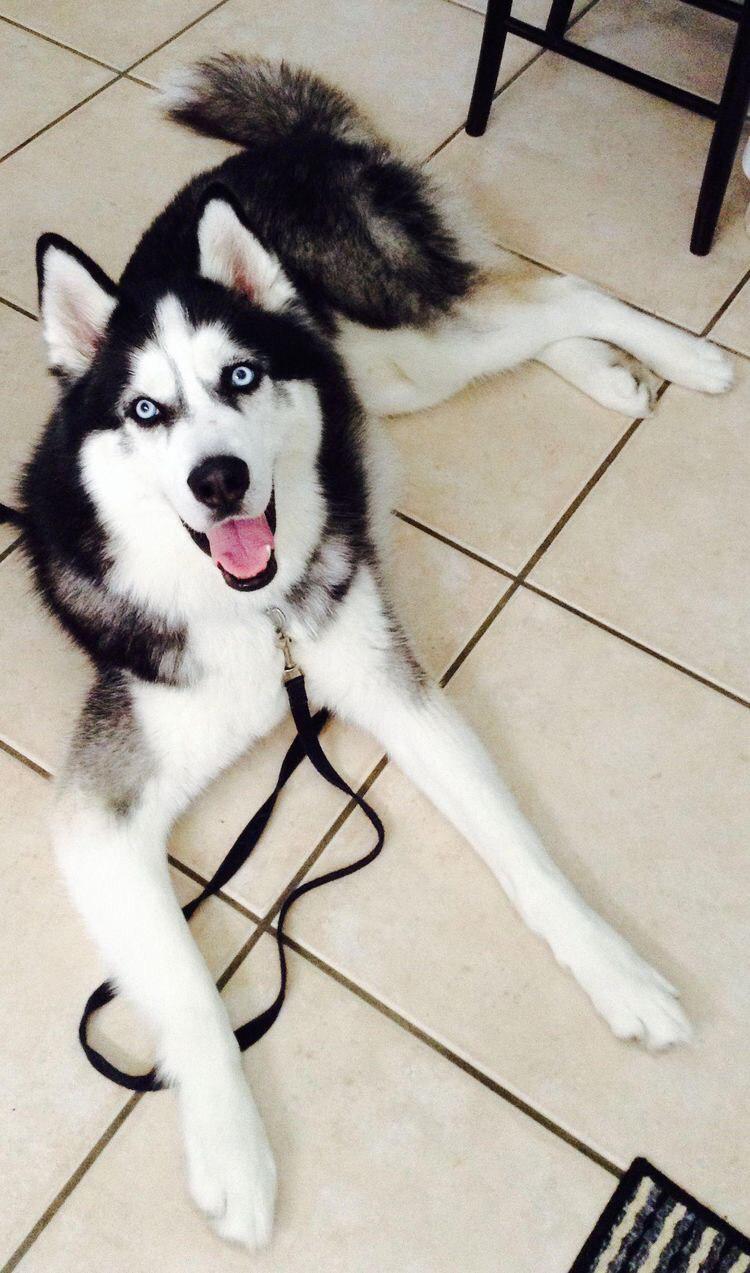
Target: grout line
(241, 955)
(576, 502)
(725, 304)
(72, 1182)
(451, 543)
(58, 119)
(24, 760)
(59, 44)
(11, 548)
(176, 36)
(473, 641)
(18, 308)
(197, 878)
(638, 645)
(448, 1054)
(136, 79)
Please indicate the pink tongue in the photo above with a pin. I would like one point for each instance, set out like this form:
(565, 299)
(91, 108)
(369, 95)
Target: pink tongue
(242, 545)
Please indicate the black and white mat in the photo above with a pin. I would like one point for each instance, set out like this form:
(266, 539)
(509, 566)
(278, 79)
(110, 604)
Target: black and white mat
(650, 1225)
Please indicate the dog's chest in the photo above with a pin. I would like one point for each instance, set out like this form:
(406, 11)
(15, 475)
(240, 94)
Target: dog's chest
(239, 664)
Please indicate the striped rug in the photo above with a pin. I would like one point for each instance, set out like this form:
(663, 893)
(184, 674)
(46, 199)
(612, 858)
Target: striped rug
(650, 1225)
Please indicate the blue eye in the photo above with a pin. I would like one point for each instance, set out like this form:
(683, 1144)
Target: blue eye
(242, 376)
(144, 409)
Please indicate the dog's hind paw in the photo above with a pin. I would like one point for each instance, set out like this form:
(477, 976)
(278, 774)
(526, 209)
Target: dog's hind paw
(231, 1171)
(633, 998)
(712, 370)
(625, 386)
(692, 362)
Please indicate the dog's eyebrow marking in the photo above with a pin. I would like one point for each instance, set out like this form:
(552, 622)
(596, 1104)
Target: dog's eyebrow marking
(153, 376)
(181, 362)
(213, 349)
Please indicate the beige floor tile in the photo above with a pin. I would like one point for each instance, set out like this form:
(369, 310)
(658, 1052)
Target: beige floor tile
(40, 82)
(389, 1158)
(666, 38)
(115, 33)
(496, 467)
(659, 547)
(54, 1106)
(596, 178)
(443, 596)
(26, 401)
(733, 328)
(409, 63)
(636, 777)
(43, 676)
(100, 164)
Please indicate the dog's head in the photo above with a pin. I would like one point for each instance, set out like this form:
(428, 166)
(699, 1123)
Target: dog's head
(200, 387)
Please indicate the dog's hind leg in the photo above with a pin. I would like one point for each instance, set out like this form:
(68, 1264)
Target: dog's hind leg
(113, 814)
(671, 353)
(512, 317)
(366, 679)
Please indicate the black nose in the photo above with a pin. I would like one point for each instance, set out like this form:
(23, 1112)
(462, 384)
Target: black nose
(220, 481)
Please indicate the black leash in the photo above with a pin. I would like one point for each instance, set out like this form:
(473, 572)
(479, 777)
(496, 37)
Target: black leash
(307, 744)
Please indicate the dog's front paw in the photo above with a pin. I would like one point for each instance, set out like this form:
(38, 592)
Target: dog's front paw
(632, 997)
(231, 1171)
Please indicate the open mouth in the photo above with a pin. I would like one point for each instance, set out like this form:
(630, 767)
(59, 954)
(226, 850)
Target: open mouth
(242, 548)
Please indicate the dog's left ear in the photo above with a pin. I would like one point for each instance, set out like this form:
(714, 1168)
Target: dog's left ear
(76, 300)
(229, 253)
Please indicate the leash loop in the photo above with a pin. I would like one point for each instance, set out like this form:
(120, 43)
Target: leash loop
(306, 744)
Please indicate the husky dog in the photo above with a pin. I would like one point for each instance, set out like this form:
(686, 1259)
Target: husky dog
(211, 457)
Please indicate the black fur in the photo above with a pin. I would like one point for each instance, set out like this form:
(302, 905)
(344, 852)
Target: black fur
(355, 228)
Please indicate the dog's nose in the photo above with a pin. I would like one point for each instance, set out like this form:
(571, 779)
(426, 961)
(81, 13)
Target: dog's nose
(220, 481)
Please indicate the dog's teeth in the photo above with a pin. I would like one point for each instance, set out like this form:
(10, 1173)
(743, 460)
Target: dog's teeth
(268, 551)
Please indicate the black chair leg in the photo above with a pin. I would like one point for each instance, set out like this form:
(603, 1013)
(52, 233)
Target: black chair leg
(559, 16)
(488, 67)
(729, 122)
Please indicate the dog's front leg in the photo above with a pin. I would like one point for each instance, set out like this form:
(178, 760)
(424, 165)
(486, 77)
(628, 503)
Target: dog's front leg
(367, 679)
(112, 819)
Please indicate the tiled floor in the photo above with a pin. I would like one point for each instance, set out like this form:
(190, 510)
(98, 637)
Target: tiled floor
(439, 1096)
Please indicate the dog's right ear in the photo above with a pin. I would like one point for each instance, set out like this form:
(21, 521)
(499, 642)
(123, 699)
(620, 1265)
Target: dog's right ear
(76, 300)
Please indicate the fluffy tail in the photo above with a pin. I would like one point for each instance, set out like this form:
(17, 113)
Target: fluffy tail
(254, 102)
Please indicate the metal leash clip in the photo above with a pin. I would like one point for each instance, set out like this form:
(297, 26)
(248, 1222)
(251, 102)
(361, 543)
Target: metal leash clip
(284, 642)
